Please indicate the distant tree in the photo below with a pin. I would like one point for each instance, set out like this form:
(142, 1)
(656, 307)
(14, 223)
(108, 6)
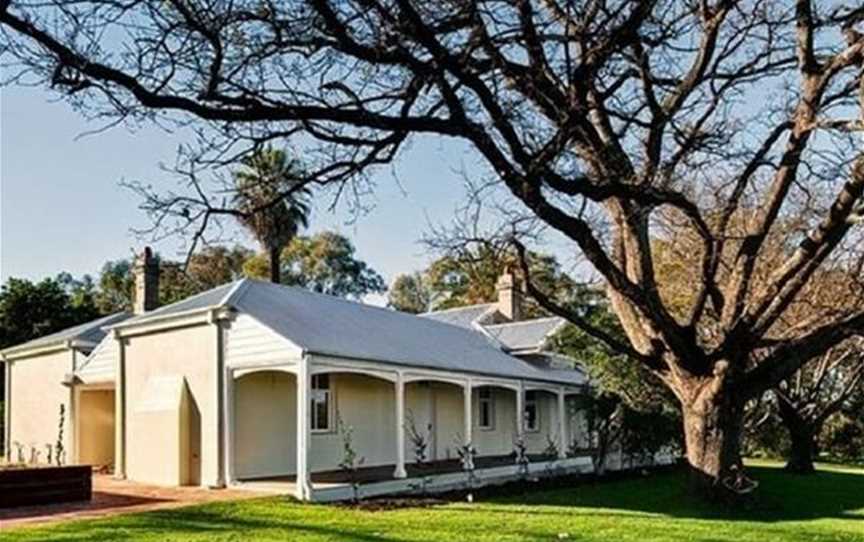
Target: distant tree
(273, 202)
(325, 263)
(116, 285)
(29, 310)
(816, 392)
(209, 267)
(466, 273)
(409, 293)
(217, 265)
(625, 407)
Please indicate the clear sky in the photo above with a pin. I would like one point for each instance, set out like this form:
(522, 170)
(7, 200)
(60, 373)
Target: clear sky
(62, 209)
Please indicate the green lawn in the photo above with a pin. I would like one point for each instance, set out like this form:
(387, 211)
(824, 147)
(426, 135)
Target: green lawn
(826, 506)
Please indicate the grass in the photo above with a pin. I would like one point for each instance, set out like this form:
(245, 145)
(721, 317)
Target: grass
(828, 506)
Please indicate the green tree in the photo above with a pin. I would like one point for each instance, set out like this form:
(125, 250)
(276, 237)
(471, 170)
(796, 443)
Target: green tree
(29, 310)
(468, 274)
(409, 293)
(325, 263)
(208, 268)
(272, 201)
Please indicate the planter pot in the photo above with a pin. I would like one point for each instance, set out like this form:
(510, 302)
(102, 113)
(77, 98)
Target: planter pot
(45, 485)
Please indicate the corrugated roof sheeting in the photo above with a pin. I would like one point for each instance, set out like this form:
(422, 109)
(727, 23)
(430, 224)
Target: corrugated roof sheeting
(91, 332)
(210, 298)
(332, 326)
(463, 317)
(525, 335)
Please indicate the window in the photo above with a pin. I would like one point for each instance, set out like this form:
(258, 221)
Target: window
(532, 412)
(321, 404)
(486, 405)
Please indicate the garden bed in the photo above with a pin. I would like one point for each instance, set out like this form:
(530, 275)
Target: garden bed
(45, 485)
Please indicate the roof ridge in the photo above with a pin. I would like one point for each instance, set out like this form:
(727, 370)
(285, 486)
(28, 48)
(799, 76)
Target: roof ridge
(524, 322)
(360, 304)
(453, 309)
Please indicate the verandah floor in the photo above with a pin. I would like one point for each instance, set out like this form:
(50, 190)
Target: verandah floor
(383, 473)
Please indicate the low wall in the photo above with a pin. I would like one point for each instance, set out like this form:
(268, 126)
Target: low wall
(45, 485)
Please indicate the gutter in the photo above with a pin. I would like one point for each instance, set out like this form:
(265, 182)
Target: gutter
(24, 351)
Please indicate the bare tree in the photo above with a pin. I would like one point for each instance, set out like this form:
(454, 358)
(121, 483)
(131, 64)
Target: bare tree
(593, 114)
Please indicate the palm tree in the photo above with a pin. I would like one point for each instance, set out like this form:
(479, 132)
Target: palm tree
(273, 204)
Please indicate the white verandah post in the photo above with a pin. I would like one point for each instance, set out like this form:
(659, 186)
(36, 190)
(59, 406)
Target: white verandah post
(520, 411)
(400, 428)
(228, 444)
(304, 485)
(563, 424)
(469, 423)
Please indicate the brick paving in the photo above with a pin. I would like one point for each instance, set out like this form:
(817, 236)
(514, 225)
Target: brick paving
(112, 497)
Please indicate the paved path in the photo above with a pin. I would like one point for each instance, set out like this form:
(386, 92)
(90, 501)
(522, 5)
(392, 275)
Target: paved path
(112, 497)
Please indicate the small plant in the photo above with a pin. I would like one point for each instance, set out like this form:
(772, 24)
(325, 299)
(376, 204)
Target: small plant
(419, 441)
(520, 452)
(34, 455)
(467, 453)
(59, 450)
(49, 453)
(551, 450)
(351, 462)
(19, 452)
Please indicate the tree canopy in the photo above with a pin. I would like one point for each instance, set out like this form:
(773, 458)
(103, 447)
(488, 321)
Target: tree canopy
(324, 262)
(272, 200)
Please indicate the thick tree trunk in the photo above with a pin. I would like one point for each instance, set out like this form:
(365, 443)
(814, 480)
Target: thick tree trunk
(275, 267)
(802, 436)
(802, 451)
(713, 425)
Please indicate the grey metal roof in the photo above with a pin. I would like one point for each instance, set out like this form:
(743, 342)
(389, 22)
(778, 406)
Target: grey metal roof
(90, 332)
(525, 335)
(461, 316)
(211, 298)
(328, 325)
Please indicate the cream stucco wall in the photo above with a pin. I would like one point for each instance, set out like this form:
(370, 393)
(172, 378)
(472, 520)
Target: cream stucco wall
(37, 393)
(187, 353)
(368, 406)
(265, 431)
(95, 428)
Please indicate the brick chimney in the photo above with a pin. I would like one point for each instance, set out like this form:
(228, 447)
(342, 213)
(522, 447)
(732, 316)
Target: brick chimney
(146, 273)
(509, 296)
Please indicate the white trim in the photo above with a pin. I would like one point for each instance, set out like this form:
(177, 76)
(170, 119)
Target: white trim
(491, 402)
(229, 453)
(7, 411)
(290, 367)
(304, 482)
(399, 385)
(330, 404)
(520, 411)
(120, 409)
(468, 409)
(563, 424)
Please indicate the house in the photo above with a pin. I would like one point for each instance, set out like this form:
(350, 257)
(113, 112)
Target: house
(253, 384)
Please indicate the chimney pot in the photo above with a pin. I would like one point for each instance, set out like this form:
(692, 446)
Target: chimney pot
(509, 296)
(146, 273)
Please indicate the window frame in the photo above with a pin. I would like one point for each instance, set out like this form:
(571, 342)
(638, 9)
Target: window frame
(314, 388)
(532, 400)
(489, 402)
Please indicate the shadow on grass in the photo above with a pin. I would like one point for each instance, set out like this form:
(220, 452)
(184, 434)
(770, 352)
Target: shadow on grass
(781, 496)
(202, 522)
